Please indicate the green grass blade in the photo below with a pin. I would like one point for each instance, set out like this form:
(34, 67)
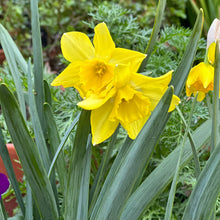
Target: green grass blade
(39, 137)
(38, 132)
(121, 182)
(82, 211)
(117, 164)
(29, 156)
(193, 146)
(206, 191)
(181, 73)
(154, 34)
(14, 71)
(76, 203)
(29, 203)
(62, 143)
(48, 97)
(159, 179)
(38, 60)
(172, 192)
(10, 44)
(10, 171)
(54, 139)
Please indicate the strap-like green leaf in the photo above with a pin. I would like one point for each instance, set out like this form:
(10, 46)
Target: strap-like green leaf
(38, 61)
(76, 197)
(154, 34)
(38, 132)
(206, 191)
(157, 181)
(47, 92)
(124, 175)
(10, 56)
(54, 139)
(29, 156)
(7, 40)
(102, 172)
(29, 203)
(182, 71)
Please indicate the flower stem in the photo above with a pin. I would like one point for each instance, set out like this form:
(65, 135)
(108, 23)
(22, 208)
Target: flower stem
(169, 206)
(214, 136)
(154, 33)
(193, 146)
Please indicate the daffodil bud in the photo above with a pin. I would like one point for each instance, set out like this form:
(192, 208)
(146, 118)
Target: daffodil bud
(214, 32)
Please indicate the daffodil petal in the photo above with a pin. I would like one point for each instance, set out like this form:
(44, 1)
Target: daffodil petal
(104, 45)
(200, 97)
(175, 101)
(135, 127)
(76, 46)
(121, 75)
(153, 88)
(102, 128)
(146, 84)
(125, 56)
(95, 101)
(202, 72)
(211, 53)
(69, 77)
(200, 79)
(193, 75)
(214, 32)
(206, 74)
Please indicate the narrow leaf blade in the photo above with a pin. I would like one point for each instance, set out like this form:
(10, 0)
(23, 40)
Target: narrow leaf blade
(122, 177)
(181, 73)
(206, 191)
(157, 181)
(29, 156)
(73, 198)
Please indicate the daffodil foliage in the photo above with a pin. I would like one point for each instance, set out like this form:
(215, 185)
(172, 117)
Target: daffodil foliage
(107, 80)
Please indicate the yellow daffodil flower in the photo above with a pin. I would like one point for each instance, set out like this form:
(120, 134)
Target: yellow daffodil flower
(91, 68)
(106, 79)
(130, 103)
(200, 79)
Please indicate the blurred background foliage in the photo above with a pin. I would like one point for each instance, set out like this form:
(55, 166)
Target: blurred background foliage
(130, 23)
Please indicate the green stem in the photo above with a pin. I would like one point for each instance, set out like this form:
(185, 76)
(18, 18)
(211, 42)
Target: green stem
(215, 123)
(154, 34)
(214, 135)
(62, 143)
(193, 146)
(169, 207)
